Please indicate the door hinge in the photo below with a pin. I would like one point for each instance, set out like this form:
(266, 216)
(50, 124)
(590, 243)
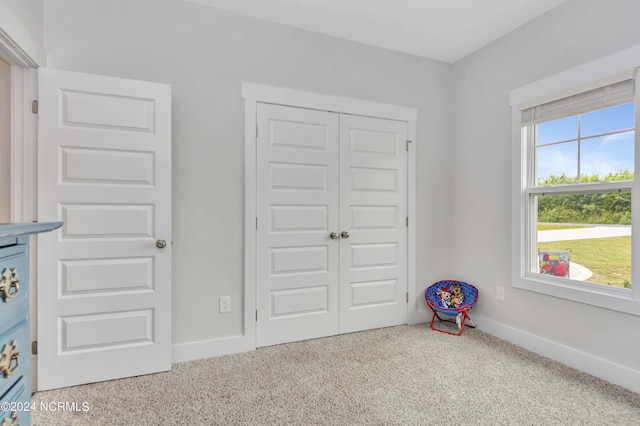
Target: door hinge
(256, 130)
(34, 347)
(256, 315)
(407, 221)
(408, 142)
(34, 107)
(256, 223)
(407, 297)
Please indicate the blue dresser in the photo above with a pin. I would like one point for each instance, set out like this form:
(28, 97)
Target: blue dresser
(15, 339)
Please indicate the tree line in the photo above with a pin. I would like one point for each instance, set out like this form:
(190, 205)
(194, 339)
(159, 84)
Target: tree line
(613, 208)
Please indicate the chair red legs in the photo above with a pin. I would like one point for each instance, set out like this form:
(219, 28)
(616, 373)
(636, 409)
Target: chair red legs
(465, 317)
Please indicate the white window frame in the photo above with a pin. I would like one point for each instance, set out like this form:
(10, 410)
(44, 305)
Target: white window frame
(608, 70)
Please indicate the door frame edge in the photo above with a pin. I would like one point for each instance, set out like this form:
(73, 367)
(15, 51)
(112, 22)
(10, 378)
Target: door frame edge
(253, 94)
(250, 221)
(23, 185)
(412, 285)
(24, 132)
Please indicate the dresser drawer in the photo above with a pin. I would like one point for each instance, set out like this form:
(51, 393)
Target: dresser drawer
(14, 275)
(8, 241)
(16, 403)
(15, 352)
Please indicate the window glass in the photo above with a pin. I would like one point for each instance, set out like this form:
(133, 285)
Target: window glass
(558, 130)
(607, 120)
(607, 158)
(597, 146)
(585, 237)
(557, 164)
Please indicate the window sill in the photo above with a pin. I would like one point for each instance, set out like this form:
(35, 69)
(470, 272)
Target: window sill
(612, 298)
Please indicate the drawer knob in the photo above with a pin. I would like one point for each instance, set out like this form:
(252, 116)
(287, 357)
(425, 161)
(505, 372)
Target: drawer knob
(10, 360)
(12, 420)
(9, 283)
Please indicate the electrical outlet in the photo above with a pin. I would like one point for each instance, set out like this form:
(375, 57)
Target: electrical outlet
(500, 293)
(225, 304)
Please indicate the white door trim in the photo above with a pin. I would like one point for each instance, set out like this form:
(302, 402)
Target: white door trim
(24, 89)
(11, 51)
(24, 124)
(254, 93)
(24, 130)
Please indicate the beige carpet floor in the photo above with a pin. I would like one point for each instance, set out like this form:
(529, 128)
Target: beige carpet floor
(406, 375)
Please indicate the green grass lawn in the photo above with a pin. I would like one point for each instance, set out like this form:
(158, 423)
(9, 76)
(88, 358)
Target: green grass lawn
(608, 258)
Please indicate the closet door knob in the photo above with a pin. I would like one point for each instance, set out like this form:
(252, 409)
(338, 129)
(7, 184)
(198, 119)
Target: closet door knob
(344, 234)
(334, 236)
(161, 244)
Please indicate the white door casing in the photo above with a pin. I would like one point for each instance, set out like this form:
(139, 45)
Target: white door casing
(254, 94)
(312, 181)
(373, 211)
(104, 287)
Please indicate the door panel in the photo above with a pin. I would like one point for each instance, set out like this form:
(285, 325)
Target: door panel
(373, 208)
(297, 209)
(107, 167)
(104, 169)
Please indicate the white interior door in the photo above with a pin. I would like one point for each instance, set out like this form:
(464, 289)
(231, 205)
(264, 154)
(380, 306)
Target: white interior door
(104, 282)
(320, 173)
(373, 211)
(297, 271)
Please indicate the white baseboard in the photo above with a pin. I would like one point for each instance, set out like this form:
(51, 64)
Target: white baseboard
(192, 351)
(599, 367)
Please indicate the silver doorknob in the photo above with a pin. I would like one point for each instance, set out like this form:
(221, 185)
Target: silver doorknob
(161, 243)
(334, 236)
(344, 234)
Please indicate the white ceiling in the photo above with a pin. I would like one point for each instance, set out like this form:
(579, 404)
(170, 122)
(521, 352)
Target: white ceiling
(446, 30)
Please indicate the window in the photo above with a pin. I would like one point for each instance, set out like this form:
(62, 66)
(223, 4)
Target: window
(579, 181)
(574, 192)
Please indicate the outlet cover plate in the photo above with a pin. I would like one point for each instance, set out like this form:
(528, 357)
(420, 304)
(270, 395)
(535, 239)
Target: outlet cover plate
(225, 304)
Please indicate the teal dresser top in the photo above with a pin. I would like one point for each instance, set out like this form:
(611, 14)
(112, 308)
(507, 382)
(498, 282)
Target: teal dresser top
(18, 229)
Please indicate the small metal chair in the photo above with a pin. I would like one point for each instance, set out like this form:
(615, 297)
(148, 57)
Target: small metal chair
(454, 299)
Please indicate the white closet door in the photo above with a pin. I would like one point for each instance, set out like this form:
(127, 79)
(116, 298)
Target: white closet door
(297, 261)
(373, 211)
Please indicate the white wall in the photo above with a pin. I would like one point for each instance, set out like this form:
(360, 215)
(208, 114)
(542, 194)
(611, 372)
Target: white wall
(205, 55)
(30, 14)
(5, 141)
(22, 20)
(578, 31)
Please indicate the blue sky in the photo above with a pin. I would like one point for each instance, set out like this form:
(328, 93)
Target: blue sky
(598, 155)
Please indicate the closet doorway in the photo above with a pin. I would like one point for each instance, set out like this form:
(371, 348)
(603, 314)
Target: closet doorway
(331, 249)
